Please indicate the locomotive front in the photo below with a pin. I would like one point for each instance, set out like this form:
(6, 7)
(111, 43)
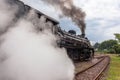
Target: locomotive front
(77, 46)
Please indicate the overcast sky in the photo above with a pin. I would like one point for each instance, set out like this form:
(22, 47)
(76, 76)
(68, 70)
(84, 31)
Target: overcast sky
(102, 17)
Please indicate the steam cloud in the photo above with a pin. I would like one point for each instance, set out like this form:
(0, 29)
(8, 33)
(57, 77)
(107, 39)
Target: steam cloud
(27, 53)
(5, 13)
(68, 9)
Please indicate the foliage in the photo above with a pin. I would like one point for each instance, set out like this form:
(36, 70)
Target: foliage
(117, 48)
(96, 45)
(117, 36)
(108, 46)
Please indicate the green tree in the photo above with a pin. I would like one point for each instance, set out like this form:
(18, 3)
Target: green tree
(117, 36)
(96, 45)
(108, 46)
(117, 48)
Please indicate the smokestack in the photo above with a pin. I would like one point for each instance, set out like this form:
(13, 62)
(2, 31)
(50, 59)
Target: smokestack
(83, 27)
(70, 10)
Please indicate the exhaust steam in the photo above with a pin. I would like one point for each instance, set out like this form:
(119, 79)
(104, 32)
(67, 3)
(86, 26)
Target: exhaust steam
(27, 53)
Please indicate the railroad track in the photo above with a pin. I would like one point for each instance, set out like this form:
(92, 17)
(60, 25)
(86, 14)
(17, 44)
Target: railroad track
(96, 71)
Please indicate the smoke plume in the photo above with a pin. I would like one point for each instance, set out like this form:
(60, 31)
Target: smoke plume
(29, 54)
(70, 10)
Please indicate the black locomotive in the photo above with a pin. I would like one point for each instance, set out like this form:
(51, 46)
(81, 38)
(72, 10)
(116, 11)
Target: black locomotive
(78, 47)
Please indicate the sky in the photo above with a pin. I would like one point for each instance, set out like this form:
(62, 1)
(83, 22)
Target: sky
(102, 17)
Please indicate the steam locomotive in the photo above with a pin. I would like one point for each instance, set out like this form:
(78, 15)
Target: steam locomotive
(78, 47)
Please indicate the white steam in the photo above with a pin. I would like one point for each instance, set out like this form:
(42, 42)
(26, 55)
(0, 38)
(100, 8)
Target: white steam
(7, 14)
(29, 54)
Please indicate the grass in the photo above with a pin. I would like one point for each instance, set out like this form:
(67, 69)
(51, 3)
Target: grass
(114, 72)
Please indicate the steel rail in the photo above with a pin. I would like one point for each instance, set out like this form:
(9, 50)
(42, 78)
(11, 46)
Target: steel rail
(99, 75)
(103, 70)
(102, 58)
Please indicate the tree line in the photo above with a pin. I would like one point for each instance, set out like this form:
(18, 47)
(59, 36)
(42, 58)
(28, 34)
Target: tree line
(109, 46)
